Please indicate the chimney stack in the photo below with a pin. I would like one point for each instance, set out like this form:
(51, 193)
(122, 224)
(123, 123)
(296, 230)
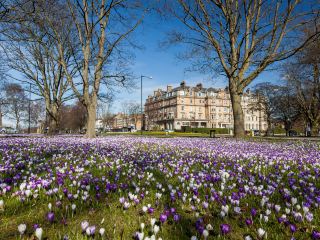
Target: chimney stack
(169, 88)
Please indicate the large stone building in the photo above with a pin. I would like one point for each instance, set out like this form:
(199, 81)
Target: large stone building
(197, 106)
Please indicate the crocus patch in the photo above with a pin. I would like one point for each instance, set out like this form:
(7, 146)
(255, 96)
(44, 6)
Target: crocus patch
(155, 188)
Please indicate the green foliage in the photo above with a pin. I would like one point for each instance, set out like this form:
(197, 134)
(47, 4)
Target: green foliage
(205, 130)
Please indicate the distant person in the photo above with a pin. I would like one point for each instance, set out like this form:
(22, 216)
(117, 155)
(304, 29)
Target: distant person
(308, 131)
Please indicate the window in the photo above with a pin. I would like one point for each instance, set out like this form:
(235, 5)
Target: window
(182, 108)
(191, 100)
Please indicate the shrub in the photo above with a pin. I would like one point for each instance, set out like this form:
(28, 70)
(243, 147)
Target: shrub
(205, 130)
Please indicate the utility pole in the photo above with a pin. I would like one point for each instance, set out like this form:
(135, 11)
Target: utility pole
(141, 110)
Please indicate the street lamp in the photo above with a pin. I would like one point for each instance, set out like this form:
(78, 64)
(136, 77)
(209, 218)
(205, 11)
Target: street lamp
(141, 100)
(29, 110)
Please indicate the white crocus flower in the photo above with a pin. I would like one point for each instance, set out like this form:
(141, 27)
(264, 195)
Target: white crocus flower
(73, 207)
(1, 204)
(153, 221)
(38, 233)
(22, 228)
(156, 229)
(205, 234)
(142, 225)
(209, 227)
(101, 231)
(261, 232)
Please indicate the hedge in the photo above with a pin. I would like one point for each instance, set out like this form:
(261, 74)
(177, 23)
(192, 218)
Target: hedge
(205, 130)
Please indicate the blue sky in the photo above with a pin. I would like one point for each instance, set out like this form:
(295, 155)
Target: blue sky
(163, 65)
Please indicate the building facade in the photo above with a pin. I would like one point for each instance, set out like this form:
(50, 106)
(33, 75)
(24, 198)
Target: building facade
(132, 121)
(120, 121)
(198, 107)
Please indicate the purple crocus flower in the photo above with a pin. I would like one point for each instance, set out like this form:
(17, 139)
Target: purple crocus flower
(253, 212)
(315, 234)
(58, 204)
(150, 210)
(293, 228)
(50, 217)
(163, 218)
(225, 228)
(176, 217)
(249, 221)
(172, 210)
(280, 220)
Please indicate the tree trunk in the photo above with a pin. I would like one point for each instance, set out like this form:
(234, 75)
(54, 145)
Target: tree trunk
(53, 126)
(237, 114)
(310, 127)
(287, 127)
(17, 123)
(53, 120)
(91, 120)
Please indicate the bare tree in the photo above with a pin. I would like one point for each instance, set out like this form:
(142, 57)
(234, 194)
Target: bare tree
(107, 120)
(17, 103)
(3, 102)
(302, 73)
(134, 113)
(267, 95)
(74, 117)
(242, 37)
(103, 28)
(31, 50)
(37, 112)
(285, 107)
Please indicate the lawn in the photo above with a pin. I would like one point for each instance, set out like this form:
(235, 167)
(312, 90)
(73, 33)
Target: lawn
(129, 187)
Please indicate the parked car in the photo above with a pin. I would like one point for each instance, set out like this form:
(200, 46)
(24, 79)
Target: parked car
(2, 130)
(168, 130)
(256, 133)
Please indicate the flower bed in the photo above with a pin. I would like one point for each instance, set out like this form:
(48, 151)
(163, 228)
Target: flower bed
(151, 188)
